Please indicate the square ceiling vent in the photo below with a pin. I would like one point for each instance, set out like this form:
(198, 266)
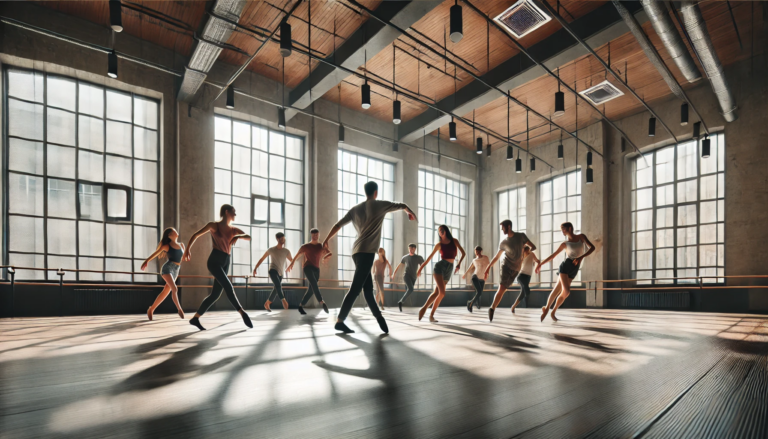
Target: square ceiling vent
(602, 93)
(522, 18)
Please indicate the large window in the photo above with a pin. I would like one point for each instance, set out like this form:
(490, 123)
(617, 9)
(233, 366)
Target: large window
(512, 207)
(354, 171)
(261, 173)
(560, 199)
(82, 182)
(442, 200)
(678, 213)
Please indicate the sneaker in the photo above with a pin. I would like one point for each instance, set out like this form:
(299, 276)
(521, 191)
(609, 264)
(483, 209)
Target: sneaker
(383, 324)
(490, 314)
(469, 306)
(340, 326)
(301, 310)
(325, 308)
(400, 305)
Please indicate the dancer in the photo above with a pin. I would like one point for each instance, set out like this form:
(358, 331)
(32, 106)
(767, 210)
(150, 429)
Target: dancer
(479, 264)
(224, 236)
(367, 218)
(167, 247)
(524, 278)
(511, 246)
(569, 268)
(379, 271)
(412, 261)
(314, 253)
(277, 257)
(442, 271)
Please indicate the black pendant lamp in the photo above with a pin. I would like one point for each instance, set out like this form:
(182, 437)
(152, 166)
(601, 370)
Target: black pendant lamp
(560, 151)
(652, 127)
(510, 152)
(488, 150)
(479, 146)
(281, 117)
(341, 133)
(589, 158)
(365, 90)
(590, 177)
(115, 15)
(518, 164)
(533, 164)
(452, 130)
(696, 130)
(286, 46)
(684, 114)
(112, 64)
(559, 98)
(456, 23)
(705, 146)
(231, 97)
(396, 112)
(395, 147)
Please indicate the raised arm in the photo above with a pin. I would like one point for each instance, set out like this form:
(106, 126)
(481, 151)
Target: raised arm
(493, 261)
(585, 240)
(463, 255)
(288, 270)
(160, 248)
(207, 228)
(396, 269)
(298, 253)
(552, 256)
(264, 256)
(469, 270)
(336, 227)
(424, 264)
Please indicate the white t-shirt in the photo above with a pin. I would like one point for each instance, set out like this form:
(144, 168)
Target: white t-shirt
(527, 266)
(481, 264)
(277, 258)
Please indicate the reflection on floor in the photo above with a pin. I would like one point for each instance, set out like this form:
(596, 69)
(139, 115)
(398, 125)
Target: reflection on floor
(598, 373)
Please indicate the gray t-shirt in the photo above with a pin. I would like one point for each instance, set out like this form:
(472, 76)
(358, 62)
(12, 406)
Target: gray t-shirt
(412, 264)
(513, 251)
(277, 258)
(368, 217)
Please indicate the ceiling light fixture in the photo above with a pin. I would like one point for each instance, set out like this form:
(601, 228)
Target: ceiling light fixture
(286, 46)
(684, 114)
(652, 127)
(115, 15)
(457, 23)
(112, 64)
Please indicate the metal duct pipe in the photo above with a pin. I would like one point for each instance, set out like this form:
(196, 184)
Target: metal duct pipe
(662, 24)
(702, 44)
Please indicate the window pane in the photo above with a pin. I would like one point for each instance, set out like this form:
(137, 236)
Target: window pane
(118, 106)
(293, 148)
(90, 201)
(145, 175)
(90, 166)
(91, 100)
(26, 234)
(61, 198)
(293, 193)
(118, 265)
(292, 216)
(259, 186)
(222, 181)
(61, 127)
(241, 185)
(63, 262)
(293, 171)
(276, 189)
(90, 133)
(145, 208)
(26, 85)
(241, 159)
(61, 237)
(243, 208)
(144, 241)
(145, 146)
(119, 138)
(25, 156)
(25, 260)
(91, 237)
(96, 264)
(686, 215)
(223, 129)
(61, 93)
(260, 210)
(276, 167)
(276, 143)
(118, 171)
(117, 203)
(145, 112)
(241, 133)
(61, 161)
(260, 138)
(119, 240)
(686, 160)
(25, 120)
(25, 194)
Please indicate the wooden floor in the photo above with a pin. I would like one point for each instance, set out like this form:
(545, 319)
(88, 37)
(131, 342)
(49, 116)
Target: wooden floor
(596, 373)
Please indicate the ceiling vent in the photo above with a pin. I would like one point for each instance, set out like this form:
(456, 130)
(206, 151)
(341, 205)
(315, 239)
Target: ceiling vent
(602, 93)
(522, 18)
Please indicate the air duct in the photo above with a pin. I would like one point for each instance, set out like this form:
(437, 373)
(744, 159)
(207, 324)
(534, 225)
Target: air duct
(666, 30)
(702, 44)
(205, 53)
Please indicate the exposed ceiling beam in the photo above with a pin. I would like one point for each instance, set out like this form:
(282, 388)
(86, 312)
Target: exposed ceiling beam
(371, 38)
(598, 27)
(214, 32)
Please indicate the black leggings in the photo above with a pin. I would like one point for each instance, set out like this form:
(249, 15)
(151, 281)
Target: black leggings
(523, 280)
(361, 281)
(409, 282)
(479, 285)
(313, 274)
(277, 290)
(218, 265)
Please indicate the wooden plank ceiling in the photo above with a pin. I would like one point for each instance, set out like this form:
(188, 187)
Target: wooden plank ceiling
(418, 71)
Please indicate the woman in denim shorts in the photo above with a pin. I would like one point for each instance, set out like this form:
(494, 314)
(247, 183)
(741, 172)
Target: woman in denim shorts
(171, 248)
(442, 271)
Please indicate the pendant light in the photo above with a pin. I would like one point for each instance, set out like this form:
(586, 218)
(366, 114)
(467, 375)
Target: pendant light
(112, 64)
(286, 46)
(396, 103)
(488, 148)
(590, 177)
(281, 117)
(528, 141)
(479, 139)
(533, 164)
(115, 15)
(559, 98)
(518, 163)
(684, 114)
(696, 130)
(366, 95)
(456, 23)
(395, 147)
(341, 133)
(705, 146)
(396, 112)
(560, 154)
(652, 127)
(452, 130)
(510, 152)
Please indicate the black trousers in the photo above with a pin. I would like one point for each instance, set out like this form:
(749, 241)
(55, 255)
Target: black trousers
(525, 290)
(479, 285)
(313, 274)
(218, 265)
(277, 290)
(361, 281)
(409, 283)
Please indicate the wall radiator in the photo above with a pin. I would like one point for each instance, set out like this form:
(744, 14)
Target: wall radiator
(660, 300)
(114, 300)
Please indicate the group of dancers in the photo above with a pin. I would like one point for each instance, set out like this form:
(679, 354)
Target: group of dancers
(515, 251)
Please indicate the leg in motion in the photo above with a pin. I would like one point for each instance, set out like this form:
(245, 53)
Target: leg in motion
(219, 272)
(313, 275)
(431, 299)
(368, 294)
(440, 287)
(160, 297)
(479, 285)
(496, 300)
(565, 282)
(380, 291)
(551, 299)
(409, 282)
(523, 280)
(363, 264)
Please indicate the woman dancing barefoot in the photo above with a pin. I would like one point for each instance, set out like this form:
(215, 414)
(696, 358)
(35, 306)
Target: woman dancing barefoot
(443, 270)
(380, 267)
(224, 236)
(168, 247)
(574, 252)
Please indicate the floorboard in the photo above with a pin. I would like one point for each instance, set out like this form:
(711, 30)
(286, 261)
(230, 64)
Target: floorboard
(595, 373)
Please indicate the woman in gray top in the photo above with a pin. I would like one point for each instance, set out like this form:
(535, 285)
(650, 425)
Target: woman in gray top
(574, 252)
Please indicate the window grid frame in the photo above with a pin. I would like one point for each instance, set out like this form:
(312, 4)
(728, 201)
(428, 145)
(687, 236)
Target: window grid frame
(388, 222)
(425, 281)
(76, 180)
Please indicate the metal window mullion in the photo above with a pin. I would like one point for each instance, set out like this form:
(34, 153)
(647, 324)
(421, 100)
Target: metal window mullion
(45, 170)
(104, 179)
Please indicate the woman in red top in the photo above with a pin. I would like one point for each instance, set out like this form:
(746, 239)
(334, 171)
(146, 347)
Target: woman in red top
(448, 247)
(314, 253)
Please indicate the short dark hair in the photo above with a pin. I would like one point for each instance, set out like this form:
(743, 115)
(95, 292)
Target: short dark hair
(567, 225)
(412, 245)
(507, 224)
(478, 248)
(370, 188)
(314, 231)
(224, 209)
(279, 235)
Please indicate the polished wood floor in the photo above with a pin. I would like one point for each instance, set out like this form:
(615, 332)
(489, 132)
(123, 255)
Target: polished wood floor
(596, 373)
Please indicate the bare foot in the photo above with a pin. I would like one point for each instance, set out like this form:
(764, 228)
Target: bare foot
(513, 310)
(285, 304)
(181, 313)
(422, 311)
(544, 311)
(553, 316)
(266, 306)
(432, 319)
(149, 313)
